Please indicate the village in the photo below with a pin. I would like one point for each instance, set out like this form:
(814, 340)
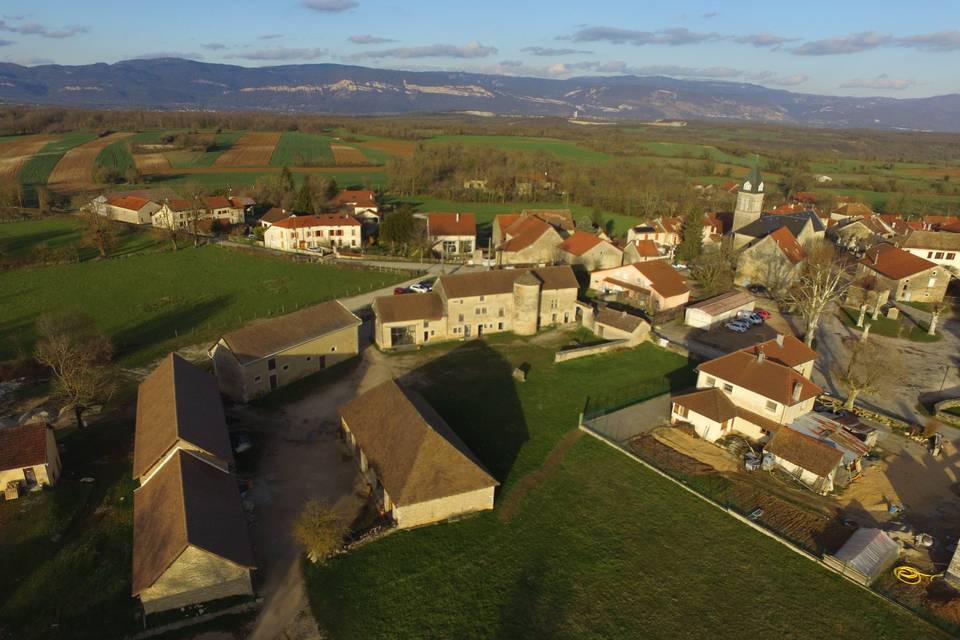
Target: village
(816, 400)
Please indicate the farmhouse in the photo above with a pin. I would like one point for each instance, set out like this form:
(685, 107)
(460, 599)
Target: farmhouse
(710, 312)
(360, 203)
(474, 304)
(274, 215)
(787, 350)
(559, 219)
(267, 355)
(126, 208)
(419, 469)
(811, 461)
(654, 284)
(859, 234)
(451, 234)
(667, 232)
(640, 251)
(183, 213)
(939, 247)
(178, 408)
(590, 251)
(299, 233)
(529, 241)
(906, 276)
(221, 208)
(190, 541)
(28, 458)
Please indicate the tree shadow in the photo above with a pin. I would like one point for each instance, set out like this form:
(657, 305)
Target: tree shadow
(535, 606)
(168, 325)
(22, 243)
(473, 389)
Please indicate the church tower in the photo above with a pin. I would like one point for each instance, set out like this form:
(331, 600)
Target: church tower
(749, 199)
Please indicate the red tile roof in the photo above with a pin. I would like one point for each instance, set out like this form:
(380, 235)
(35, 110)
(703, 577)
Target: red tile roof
(769, 379)
(451, 224)
(360, 197)
(793, 352)
(323, 220)
(216, 202)
(23, 446)
(646, 248)
(580, 242)
(560, 218)
(788, 245)
(663, 278)
(524, 233)
(804, 451)
(275, 214)
(505, 220)
(180, 204)
(893, 262)
(133, 203)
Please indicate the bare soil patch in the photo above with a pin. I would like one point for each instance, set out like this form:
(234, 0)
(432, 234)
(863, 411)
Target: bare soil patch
(74, 172)
(399, 148)
(14, 153)
(698, 449)
(154, 162)
(347, 156)
(252, 150)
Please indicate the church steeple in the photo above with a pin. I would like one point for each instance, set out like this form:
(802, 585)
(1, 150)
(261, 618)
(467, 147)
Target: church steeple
(749, 199)
(753, 183)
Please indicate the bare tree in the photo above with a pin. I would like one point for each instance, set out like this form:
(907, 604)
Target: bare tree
(822, 282)
(867, 367)
(101, 232)
(78, 354)
(319, 529)
(714, 270)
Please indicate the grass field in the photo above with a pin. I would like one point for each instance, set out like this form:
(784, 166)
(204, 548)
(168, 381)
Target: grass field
(598, 547)
(36, 171)
(186, 159)
(18, 239)
(116, 156)
(562, 149)
(297, 149)
(155, 302)
(221, 179)
(903, 327)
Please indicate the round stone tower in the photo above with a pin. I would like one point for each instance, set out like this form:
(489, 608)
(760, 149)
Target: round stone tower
(526, 304)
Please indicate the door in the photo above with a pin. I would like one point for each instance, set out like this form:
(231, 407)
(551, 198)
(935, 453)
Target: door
(322, 362)
(426, 336)
(466, 331)
(30, 476)
(273, 381)
(479, 330)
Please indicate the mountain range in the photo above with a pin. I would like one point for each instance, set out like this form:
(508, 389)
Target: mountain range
(177, 84)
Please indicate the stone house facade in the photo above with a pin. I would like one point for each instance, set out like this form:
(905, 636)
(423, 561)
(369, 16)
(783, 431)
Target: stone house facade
(300, 233)
(654, 285)
(773, 261)
(590, 251)
(452, 234)
(906, 276)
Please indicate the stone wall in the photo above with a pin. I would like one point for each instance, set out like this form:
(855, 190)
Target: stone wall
(591, 350)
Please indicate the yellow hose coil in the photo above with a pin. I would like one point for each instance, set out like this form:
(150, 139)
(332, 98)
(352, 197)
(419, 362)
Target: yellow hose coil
(913, 576)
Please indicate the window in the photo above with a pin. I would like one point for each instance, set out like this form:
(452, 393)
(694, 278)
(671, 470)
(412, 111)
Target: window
(680, 410)
(481, 311)
(256, 379)
(285, 367)
(333, 349)
(929, 254)
(500, 312)
(771, 406)
(711, 381)
(500, 326)
(951, 256)
(482, 298)
(461, 317)
(271, 364)
(939, 255)
(728, 387)
(426, 324)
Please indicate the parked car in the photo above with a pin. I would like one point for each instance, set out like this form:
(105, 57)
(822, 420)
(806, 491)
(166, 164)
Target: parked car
(424, 286)
(763, 313)
(749, 317)
(737, 326)
(398, 291)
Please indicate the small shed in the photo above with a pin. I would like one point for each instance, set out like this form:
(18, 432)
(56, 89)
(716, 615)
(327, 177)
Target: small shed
(712, 311)
(866, 555)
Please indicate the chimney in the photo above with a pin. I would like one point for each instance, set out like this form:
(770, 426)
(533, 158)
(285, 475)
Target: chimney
(797, 389)
(780, 340)
(761, 356)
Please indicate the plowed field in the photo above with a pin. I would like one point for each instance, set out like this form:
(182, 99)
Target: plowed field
(14, 153)
(74, 172)
(151, 162)
(348, 156)
(252, 150)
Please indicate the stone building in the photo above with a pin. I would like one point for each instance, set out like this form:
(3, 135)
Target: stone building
(654, 285)
(471, 305)
(269, 354)
(906, 276)
(419, 469)
(641, 251)
(529, 241)
(590, 251)
(939, 247)
(183, 213)
(28, 458)
(774, 261)
(311, 232)
(749, 200)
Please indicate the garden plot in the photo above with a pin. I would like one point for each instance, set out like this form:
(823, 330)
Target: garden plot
(252, 150)
(348, 156)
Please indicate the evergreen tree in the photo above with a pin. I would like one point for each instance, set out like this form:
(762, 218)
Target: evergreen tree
(304, 200)
(692, 243)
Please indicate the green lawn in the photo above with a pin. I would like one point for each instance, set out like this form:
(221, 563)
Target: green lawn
(19, 239)
(599, 548)
(185, 159)
(155, 302)
(676, 149)
(297, 149)
(211, 181)
(36, 171)
(116, 156)
(563, 149)
(902, 327)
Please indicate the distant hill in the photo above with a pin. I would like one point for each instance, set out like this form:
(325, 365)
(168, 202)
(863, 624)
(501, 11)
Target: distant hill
(170, 83)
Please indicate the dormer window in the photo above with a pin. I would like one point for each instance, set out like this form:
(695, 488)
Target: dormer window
(747, 186)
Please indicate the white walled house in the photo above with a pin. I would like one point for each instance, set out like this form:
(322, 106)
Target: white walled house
(939, 247)
(309, 232)
(451, 234)
(130, 209)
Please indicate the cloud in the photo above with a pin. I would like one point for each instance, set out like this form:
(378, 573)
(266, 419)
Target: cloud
(270, 36)
(157, 55)
(511, 63)
(469, 50)
(331, 6)
(6, 43)
(710, 14)
(548, 51)
(771, 78)
(685, 72)
(214, 46)
(674, 37)
(36, 29)
(368, 39)
(882, 82)
(30, 61)
(854, 43)
(281, 53)
(763, 40)
(940, 41)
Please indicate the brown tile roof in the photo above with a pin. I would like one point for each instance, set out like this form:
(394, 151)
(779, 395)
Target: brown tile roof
(323, 220)
(560, 218)
(483, 283)
(359, 197)
(804, 451)
(132, 203)
(664, 279)
(408, 307)
(646, 248)
(671, 225)
(524, 233)
(275, 214)
(580, 242)
(23, 446)
(178, 401)
(505, 220)
(180, 204)
(769, 379)
(216, 202)
(950, 227)
(187, 503)
(709, 403)
(242, 201)
(623, 284)
(451, 224)
(933, 240)
(416, 455)
(619, 319)
(724, 302)
(267, 337)
(793, 353)
(788, 244)
(855, 209)
(893, 262)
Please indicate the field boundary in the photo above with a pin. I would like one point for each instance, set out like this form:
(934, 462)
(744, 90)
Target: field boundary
(767, 532)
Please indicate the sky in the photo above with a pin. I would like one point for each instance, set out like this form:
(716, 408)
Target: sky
(852, 47)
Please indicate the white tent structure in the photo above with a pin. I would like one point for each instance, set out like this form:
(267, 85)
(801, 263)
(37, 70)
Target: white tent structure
(867, 554)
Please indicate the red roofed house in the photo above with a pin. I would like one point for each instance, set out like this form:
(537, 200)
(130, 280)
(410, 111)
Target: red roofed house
(908, 277)
(663, 231)
(531, 241)
(590, 251)
(361, 203)
(184, 213)
(301, 233)
(655, 283)
(126, 208)
(748, 393)
(773, 261)
(641, 251)
(274, 215)
(221, 208)
(452, 234)
(28, 458)
(559, 219)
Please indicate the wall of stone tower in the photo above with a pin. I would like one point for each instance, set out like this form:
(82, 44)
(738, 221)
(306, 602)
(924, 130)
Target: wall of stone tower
(749, 207)
(526, 308)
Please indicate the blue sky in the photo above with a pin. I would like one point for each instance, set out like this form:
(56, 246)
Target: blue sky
(900, 49)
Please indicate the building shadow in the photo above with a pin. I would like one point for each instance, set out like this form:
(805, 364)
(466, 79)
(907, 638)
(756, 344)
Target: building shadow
(533, 607)
(473, 389)
(168, 325)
